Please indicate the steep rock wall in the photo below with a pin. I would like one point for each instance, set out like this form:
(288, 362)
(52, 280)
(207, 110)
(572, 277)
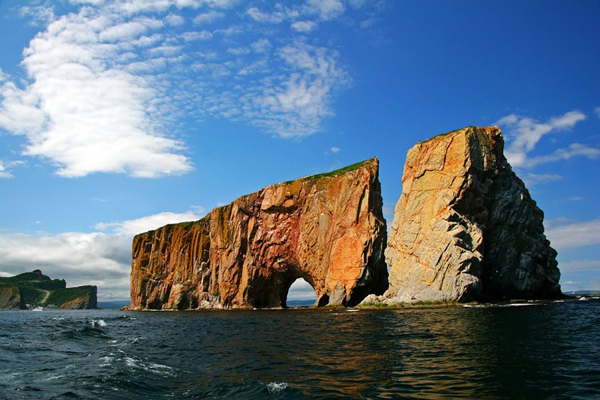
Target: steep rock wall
(327, 229)
(465, 227)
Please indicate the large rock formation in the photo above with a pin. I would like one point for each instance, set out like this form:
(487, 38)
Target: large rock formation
(327, 229)
(465, 227)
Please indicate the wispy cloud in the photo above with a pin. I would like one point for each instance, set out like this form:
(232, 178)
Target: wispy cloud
(575, 234)
(98, 97)
(3, 172)
(144, 224)
(532, 179)
(524, 134)
(335, 150)
(580, 266)
(96, 258)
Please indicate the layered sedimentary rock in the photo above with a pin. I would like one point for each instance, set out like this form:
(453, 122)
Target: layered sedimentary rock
(327, 229)
(465, 227)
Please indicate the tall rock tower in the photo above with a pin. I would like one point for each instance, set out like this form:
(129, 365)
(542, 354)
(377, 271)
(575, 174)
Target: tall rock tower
(465, 227)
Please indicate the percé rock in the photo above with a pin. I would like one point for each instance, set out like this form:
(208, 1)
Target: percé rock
(328, 229)
(465, 227)
(11, 299)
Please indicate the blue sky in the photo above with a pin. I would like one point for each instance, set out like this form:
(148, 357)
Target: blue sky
(121, 116)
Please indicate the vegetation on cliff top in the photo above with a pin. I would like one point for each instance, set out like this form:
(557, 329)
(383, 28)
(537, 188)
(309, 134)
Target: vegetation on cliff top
(335, 173)
(39, 289)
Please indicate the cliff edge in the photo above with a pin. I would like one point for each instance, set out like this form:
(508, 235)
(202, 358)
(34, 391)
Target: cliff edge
(327, 228)
(465, 227)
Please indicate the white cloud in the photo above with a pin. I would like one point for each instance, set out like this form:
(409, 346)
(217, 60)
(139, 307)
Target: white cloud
(174, 20)
(201, 35)
(151, 222)
(3, 172)
(597, 111)
(82, 110)
(524, 134)
(279, 15)
(301, 290)
(304, 26)
(261, 46)
(80, 258)
(326, 9)
(536, 179)
(575, 149)
(108, 82)
(335, 149)
(97, 258)
(40, 15)
(208, 17)
(574, 235)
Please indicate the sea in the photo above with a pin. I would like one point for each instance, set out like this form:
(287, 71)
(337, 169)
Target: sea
(517, 351)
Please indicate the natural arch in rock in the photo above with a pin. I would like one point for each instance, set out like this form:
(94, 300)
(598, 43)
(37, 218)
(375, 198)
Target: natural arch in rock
(327, 229)
(301, 292)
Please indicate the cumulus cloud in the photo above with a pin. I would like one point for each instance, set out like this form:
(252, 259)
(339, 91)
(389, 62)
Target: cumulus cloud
(576, 234)
(524, 134)
(97, 258)
(304, 26)
(85, 112)
(326, 9)
(208, 17)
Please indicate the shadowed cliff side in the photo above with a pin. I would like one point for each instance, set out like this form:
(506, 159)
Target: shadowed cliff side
(465, 227)
(327, 228)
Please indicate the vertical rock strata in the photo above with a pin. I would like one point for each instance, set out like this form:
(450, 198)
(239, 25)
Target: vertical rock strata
(465, 227)
(327, 229)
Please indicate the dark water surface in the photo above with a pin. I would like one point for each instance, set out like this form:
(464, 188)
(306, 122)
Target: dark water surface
(528, 352)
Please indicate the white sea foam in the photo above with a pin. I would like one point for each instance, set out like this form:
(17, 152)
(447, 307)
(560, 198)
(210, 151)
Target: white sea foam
(158, 369)
(98, 323)
(276, 387)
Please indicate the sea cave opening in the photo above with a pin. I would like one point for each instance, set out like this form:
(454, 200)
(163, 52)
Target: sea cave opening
(301, 294)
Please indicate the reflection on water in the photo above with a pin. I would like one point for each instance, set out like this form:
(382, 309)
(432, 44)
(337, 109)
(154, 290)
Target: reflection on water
(541, 351)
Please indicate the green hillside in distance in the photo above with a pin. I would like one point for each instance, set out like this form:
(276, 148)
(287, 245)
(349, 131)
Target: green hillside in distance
(34, 289)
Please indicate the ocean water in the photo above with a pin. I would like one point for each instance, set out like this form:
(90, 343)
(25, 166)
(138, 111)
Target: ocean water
(532, 351)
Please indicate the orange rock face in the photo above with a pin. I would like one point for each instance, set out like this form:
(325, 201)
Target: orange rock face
(327, 229)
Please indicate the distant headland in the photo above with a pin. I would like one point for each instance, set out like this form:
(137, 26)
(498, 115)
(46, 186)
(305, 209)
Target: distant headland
(34, 289)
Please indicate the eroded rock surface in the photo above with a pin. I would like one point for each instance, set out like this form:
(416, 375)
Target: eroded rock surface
(465, 227)
(327, 229)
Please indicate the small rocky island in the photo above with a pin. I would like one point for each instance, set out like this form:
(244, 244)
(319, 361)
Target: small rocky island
(34, 289)
(465, 229)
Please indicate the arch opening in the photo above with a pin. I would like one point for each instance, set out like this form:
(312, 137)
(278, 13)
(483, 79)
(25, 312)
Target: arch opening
(300, 294)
